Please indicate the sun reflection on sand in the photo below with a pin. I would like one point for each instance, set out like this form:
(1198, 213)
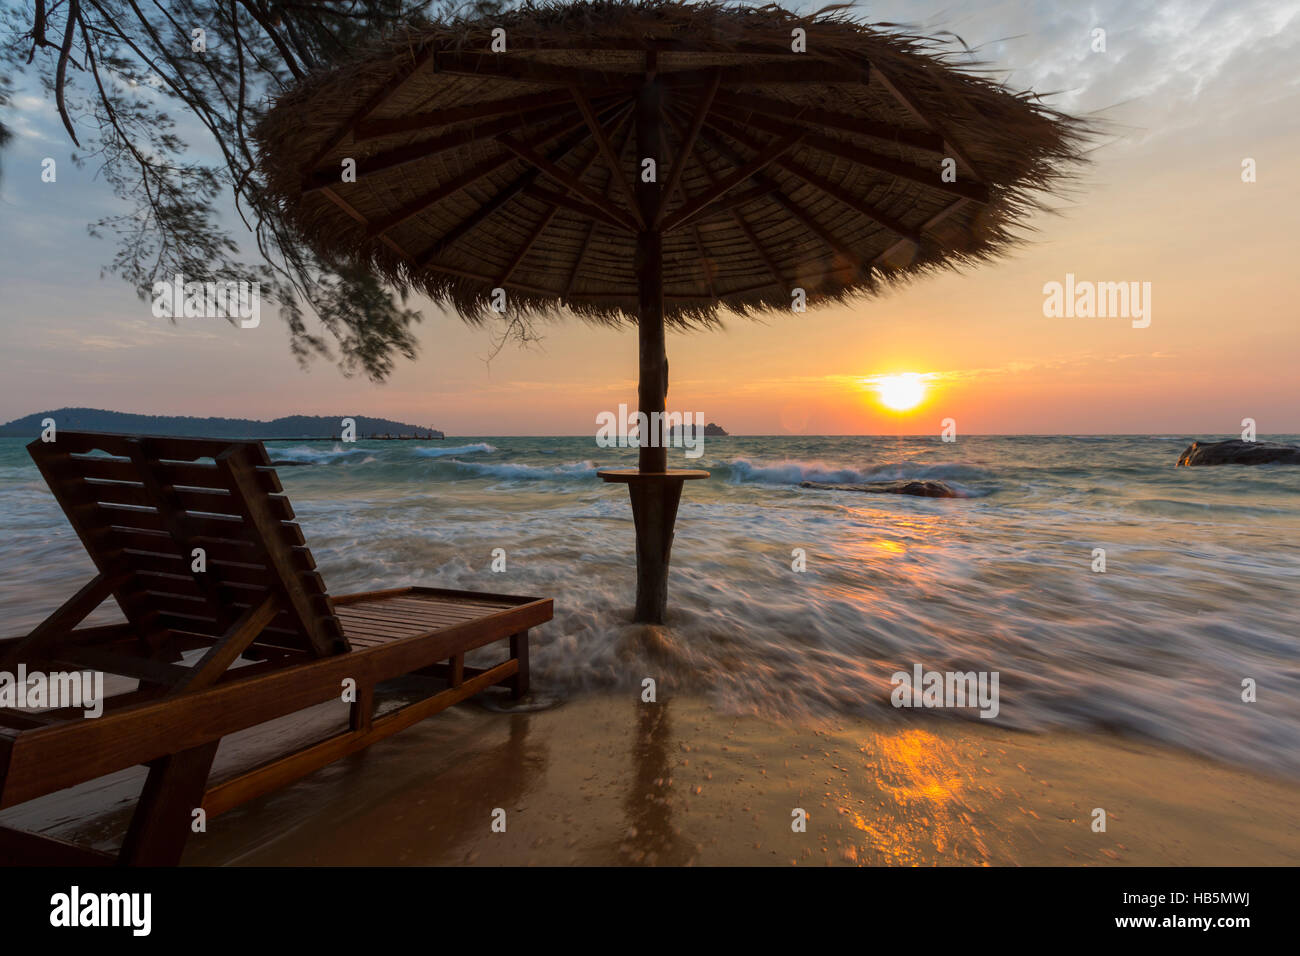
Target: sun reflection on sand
(924, 764)
(923, 813)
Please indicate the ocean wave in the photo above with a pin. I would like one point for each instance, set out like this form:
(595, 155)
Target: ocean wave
(477, 448)
(1171, 508)
(306, 455)
(746, 471)
(520, 472)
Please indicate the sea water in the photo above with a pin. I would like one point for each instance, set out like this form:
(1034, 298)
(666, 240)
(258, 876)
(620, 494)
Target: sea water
(1199, 591)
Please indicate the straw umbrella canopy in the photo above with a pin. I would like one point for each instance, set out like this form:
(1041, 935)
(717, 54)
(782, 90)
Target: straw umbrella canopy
(657, 163)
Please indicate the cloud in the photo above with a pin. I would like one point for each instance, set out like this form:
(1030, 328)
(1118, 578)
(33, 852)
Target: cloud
(115, 335)
(1166, 68)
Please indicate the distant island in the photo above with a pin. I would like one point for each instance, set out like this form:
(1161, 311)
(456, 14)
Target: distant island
(291, 426)
(710, 431)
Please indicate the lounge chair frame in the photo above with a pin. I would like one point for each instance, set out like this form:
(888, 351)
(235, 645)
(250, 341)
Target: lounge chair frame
(141, 506)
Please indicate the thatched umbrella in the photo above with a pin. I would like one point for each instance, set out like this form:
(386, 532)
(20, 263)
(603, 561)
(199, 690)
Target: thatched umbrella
(508, 161)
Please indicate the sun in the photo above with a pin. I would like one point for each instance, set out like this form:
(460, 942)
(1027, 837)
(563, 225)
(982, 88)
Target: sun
(900, 392)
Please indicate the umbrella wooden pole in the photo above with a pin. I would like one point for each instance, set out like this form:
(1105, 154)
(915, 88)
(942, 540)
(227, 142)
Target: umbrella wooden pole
(654, 499)
(656, 494)
(652, 391)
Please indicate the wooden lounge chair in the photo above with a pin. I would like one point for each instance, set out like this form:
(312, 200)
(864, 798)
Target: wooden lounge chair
(144, 507)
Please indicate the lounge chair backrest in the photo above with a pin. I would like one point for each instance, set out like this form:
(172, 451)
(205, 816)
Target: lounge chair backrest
(144, 505)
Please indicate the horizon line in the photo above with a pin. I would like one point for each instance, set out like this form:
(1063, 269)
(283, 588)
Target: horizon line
(447, 435)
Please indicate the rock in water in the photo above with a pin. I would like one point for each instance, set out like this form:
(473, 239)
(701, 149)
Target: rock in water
(922, 487)
(1237, 452)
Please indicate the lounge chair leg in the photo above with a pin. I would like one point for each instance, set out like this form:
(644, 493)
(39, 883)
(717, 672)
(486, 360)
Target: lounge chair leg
(361, 713)
(161, 822)
(519, 651)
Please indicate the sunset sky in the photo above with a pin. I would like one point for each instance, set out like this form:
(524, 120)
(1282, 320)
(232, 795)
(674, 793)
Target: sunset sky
(1189, 90)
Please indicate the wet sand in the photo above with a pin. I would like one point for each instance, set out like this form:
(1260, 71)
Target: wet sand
(610, 780)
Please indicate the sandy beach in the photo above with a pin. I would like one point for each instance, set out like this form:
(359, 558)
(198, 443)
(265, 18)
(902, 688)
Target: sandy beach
(609, 780)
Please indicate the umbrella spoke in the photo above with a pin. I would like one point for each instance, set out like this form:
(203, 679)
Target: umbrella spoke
(772, 266)
(591, 229)
(817, 73)
(428, 148)
(461, 63)
(388, 126)
(524, 247)
(586, 210)
(548, 168)
(835, 191)
(517, 186)
(606, 151)
(929, 224)
(837, 245)
(450, 188)
(578, 260)
(913, 106)
(688, 145)
(749, 170)
(446, 190)
(478, 65)
(369, 106)
(877, 161)
(528, 243)
(827, 119)
(706, 264)
(735, 201)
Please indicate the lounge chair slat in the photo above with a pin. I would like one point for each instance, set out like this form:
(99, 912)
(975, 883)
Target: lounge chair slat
(237, 552)
(394, 615)
(173, 598)
(427, 603)
(185, 474)
(119, 538)
(223, 527)
(213, 501)
(380, 625)
(176, 583)
(389, 634)
(425, 607)
(233, 571)
(448, 614)
(175, 449)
